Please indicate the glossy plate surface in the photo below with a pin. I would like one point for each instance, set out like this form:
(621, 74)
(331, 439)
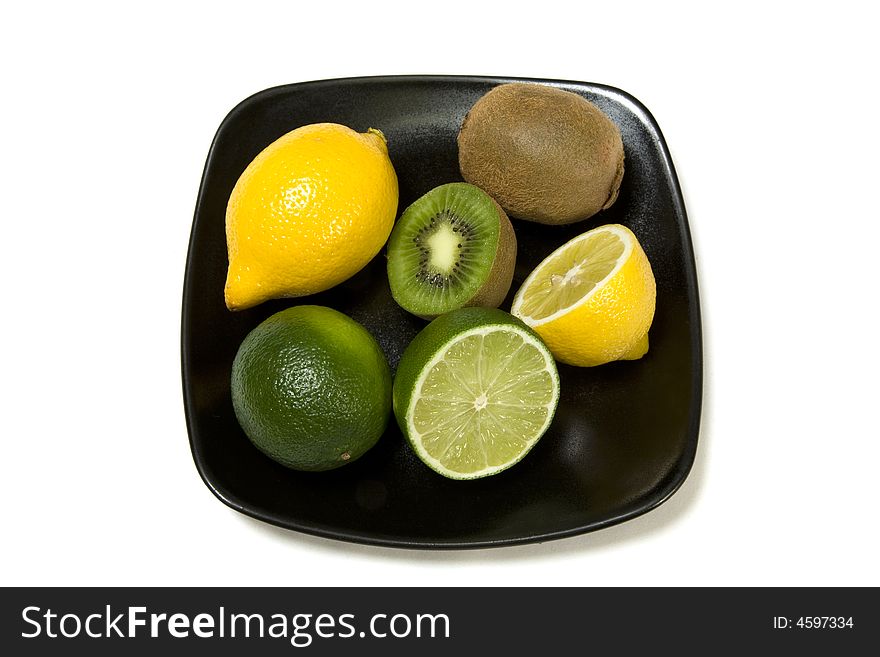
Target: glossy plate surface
(625, 434)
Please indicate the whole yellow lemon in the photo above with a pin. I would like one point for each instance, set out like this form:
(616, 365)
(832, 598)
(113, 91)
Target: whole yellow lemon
(308, 212)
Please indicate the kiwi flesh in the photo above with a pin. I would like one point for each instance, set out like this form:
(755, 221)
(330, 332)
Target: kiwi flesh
(453, 247)
(545, 154)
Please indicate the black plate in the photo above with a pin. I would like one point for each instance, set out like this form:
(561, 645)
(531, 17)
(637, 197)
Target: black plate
(625, 435)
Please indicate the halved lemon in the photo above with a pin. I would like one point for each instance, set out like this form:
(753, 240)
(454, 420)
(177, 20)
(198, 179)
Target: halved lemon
(592, 300)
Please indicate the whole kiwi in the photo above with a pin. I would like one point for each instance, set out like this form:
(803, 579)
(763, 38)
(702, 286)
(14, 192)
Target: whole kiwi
(545, 154)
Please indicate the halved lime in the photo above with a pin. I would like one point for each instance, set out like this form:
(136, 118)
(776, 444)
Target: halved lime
(474, 392)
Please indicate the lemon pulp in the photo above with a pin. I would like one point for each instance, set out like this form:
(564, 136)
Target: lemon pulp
(592, 300)
(563, 281)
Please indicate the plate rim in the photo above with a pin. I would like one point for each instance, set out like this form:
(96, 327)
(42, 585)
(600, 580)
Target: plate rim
(654, 499)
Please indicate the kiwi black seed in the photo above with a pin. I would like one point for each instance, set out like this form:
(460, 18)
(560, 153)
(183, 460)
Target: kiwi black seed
(545, 154)
(453, 247)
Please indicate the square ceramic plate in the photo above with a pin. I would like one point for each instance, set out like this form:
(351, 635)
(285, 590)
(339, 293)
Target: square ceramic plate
(625, 434)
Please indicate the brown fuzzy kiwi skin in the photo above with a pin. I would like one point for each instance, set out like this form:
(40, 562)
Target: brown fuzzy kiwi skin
(493, 292)
(545, 154)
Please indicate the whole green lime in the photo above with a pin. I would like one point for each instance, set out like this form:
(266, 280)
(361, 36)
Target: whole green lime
(311, 388)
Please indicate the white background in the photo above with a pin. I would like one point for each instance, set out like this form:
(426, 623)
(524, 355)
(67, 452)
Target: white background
(770, 112)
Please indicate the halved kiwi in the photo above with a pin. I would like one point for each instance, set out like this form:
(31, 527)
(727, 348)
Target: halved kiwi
(453, 247)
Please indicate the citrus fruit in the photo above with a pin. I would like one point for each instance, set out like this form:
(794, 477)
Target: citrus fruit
(311, 388)
(308, 212)
(591, 300)
(474, 392)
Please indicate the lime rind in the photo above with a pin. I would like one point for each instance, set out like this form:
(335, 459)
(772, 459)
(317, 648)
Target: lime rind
(490, 423)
